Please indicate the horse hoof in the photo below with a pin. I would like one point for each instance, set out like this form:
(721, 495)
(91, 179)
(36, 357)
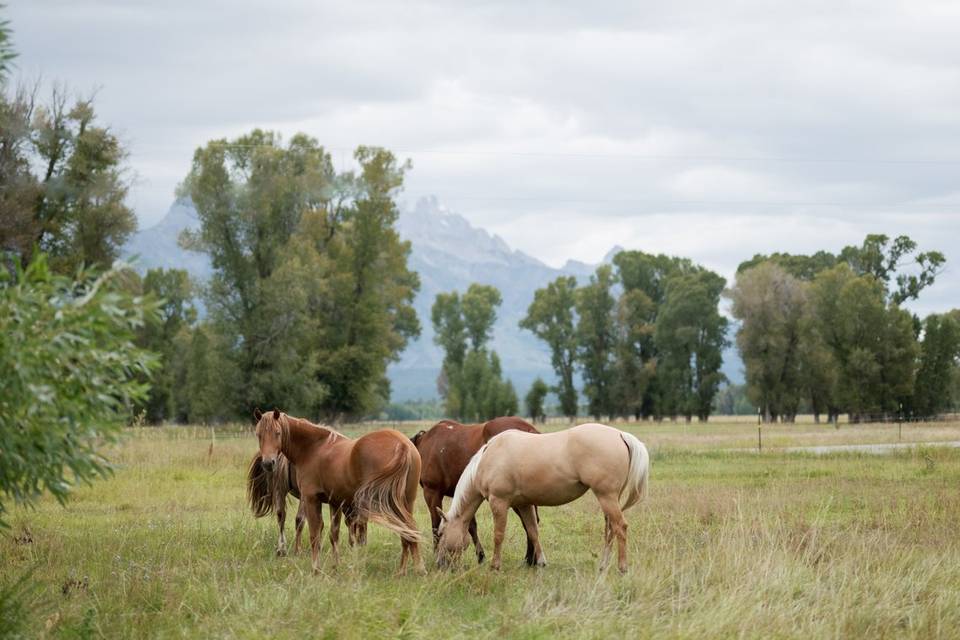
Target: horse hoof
(481, 556)
(281, 553)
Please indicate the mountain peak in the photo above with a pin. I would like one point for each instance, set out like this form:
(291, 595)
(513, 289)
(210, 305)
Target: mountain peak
(434, 228)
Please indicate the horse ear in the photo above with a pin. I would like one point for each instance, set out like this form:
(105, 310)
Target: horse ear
(276, 414)
(257, 414)
(443, 516)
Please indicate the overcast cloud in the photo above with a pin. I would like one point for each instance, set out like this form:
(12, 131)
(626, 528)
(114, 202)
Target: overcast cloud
(705, 129)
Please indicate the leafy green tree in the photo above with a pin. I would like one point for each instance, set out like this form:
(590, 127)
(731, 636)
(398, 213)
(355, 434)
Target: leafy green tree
(801, 267)
(71, 375)
(310, 282)
(369, 318)
(471, 381)
(211, 375)
(769, 303)
(551, 317)
(635, 356)
(172, 287)
(644, 278)
(535, 400)
(872, 343)
(479, 306)
(690, 335)
(885, 258)
(939, 361)
(596, 337)
(64, 182)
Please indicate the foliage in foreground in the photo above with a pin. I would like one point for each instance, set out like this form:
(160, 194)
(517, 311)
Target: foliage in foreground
(71, 372)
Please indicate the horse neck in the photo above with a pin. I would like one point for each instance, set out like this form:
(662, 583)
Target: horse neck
(467, 497)
(468, 505)
(302, 437)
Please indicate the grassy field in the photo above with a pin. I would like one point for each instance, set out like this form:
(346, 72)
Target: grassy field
(728, 544)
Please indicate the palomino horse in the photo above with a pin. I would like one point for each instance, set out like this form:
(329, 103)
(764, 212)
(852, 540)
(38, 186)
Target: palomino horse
(267, 493)
(519, 470)
(445, 450)
(377, 473)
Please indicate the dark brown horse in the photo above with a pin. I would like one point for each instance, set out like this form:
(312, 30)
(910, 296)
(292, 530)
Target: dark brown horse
(267, 493)
(446, 449)
(377, 474)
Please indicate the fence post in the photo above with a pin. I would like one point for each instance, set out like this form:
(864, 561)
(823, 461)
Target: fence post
(900, 423)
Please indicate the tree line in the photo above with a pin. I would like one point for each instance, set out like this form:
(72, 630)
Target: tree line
(645, 334)
(825, 333)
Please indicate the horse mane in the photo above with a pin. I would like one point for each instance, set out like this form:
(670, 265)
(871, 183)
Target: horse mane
(466, 480)
(267, 490)
(285, 428)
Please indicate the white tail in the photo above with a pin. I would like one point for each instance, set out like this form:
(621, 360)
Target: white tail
(638, 474)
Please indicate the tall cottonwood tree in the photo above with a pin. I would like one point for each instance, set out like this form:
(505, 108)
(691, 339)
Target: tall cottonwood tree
(63, 183)
(690, 336)
(471, 379)
(769, 304)
(596, 338)
(938, 366)
(310, 277)
(551, 317)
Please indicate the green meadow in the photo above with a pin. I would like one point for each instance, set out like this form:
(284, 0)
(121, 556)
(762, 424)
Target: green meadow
(729, 544)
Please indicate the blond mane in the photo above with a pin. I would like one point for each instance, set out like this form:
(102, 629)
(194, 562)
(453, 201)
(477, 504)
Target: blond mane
(463, 485)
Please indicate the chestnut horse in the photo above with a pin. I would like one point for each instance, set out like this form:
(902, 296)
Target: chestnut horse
(518, 470)
(377, 473)
(267, 493)
(446, 449)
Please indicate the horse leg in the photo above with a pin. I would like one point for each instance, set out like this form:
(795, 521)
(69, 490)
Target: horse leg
(499, 508)
(299, 525)
(282, 540)
(535, 555)
(410, 500)
(472, 528)
(607, 542)
(315, 522)
(610, 503)
(335, 513)
(531, 555)
(434, 500)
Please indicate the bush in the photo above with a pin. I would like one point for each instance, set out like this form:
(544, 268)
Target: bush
(71, 373)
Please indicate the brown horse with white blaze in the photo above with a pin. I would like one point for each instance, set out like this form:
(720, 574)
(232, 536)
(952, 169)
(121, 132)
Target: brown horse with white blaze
(446, 449)
(377, 473)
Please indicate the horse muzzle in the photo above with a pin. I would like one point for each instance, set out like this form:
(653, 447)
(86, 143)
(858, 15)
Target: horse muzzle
(269, 464)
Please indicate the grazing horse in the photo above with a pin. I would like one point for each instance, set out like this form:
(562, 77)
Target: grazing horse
(519, 470)
(377, 474)
(446, 449)
(267, 493)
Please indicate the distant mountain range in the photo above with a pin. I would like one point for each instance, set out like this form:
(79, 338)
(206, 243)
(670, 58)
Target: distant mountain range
(449, 254)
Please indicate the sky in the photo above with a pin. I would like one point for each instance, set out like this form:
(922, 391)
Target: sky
(713, 130)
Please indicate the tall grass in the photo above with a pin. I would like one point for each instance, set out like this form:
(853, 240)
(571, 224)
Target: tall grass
(727, 545)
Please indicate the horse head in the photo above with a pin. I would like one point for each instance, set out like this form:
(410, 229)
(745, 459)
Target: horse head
(270, 434)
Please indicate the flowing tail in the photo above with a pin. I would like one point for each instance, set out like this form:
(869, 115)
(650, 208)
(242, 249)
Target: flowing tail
(267, 491)
(382, 498)
(638, 475)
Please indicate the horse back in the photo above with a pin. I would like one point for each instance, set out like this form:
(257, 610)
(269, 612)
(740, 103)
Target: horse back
(445, 451)
(499, 425)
